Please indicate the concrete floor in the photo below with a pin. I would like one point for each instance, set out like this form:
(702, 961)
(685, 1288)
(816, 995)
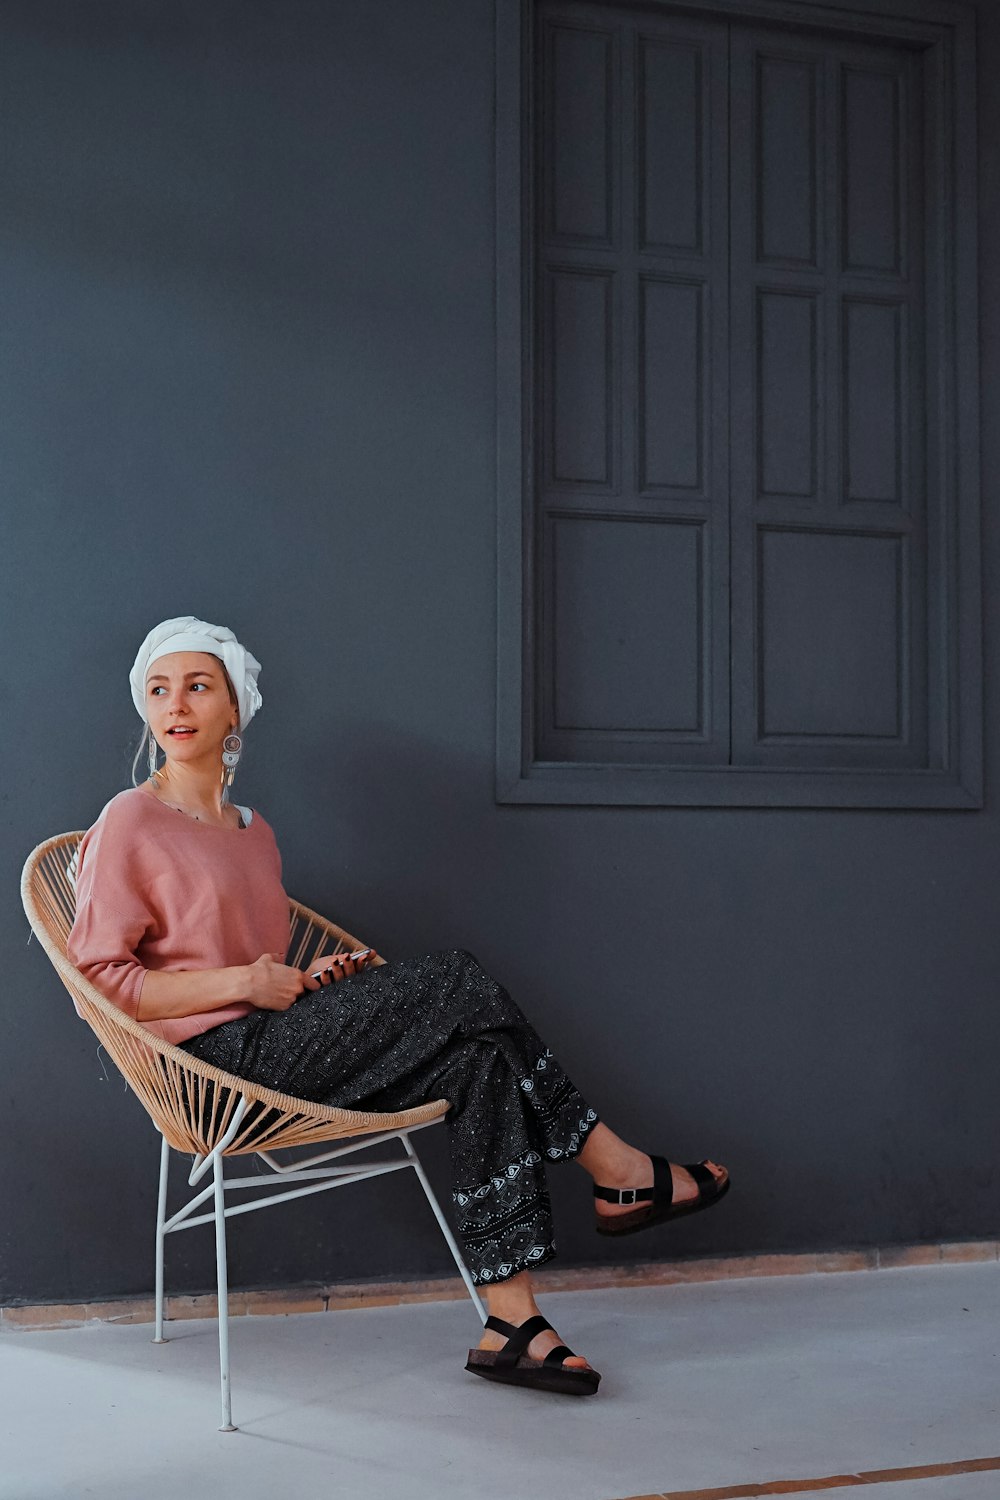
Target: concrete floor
(713, 1384)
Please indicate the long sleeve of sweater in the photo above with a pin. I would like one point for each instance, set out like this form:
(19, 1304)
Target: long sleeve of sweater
(113, 912)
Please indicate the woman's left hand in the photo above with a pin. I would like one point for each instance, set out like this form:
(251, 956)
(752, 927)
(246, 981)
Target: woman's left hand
(335, 966)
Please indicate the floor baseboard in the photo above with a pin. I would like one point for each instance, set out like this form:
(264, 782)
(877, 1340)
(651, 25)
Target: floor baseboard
(343, 1296)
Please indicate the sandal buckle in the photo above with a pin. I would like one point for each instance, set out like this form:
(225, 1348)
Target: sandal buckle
(626, 1196)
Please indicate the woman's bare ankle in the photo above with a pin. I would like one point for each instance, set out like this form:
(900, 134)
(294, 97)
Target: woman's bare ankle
(512, 1300)
(611, 1161)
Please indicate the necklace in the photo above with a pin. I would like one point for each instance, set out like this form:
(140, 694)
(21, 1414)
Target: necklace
(188, 813)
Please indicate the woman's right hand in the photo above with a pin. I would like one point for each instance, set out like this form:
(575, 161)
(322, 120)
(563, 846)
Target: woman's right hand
(273, 985)
(338, 966)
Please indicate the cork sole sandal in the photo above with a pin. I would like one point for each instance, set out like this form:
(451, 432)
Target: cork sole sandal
(513, 1367)
(659, 1198)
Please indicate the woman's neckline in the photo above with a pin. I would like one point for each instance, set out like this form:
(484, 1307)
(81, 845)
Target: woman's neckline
(240, 827)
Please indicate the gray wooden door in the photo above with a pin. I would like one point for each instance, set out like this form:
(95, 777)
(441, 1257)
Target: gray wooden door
(735, 558)
(632, 464)
(827, 464)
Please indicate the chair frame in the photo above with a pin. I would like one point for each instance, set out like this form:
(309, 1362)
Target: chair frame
(203, 1111)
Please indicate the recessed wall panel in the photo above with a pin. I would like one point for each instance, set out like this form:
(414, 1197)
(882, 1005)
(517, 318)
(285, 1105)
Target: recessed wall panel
(873, 403)
(872, 170)
(628, 630)
(671, 437)
(786, 395)
(787, 200)
(581, 377)
(830, 638)
(669, 119)
(577, 134)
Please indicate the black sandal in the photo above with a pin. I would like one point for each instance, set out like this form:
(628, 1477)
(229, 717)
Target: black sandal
(661, 1194)
(511, 1365)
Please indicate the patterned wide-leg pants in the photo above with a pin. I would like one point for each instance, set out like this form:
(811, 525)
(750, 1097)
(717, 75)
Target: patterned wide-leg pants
(435, 1026)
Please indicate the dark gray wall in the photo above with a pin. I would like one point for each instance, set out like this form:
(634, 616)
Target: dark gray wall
(246, 364)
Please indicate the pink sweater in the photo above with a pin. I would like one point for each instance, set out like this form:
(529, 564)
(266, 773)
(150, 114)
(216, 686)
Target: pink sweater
(156, 889)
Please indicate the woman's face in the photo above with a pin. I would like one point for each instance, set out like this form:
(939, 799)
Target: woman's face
(187, 691)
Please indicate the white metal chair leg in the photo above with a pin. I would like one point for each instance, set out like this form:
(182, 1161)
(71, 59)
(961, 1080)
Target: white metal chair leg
(309, 1177)
(161, 1215)
(445, 1229)
(222, 1272)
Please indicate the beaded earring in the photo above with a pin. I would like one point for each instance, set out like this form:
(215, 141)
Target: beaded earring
(152, 753)
(231, 747)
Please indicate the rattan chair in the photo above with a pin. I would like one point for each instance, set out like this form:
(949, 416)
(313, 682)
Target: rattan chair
(201, 1110)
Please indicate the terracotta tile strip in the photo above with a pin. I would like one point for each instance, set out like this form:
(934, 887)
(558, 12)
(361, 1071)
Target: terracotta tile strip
(775, 1487)
(930, 1471)
(341, 1296)
(829, 1482)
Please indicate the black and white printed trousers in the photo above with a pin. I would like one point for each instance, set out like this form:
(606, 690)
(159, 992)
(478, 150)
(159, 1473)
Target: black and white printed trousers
(434, 1026)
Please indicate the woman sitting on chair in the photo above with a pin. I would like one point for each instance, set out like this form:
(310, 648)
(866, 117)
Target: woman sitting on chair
(182, 921)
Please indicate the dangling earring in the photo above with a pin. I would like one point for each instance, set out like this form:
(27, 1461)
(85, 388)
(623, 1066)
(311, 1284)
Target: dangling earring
(152, 754)
(231, 747)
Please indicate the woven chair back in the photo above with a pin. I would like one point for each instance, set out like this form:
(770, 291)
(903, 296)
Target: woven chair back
(190, 1101)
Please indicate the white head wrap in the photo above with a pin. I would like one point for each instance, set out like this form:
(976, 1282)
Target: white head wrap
(186, 633)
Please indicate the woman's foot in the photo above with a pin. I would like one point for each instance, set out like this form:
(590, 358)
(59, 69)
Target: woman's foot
(543, 1343)
(612, 1163)
(685, 1187)
(514, 1302)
